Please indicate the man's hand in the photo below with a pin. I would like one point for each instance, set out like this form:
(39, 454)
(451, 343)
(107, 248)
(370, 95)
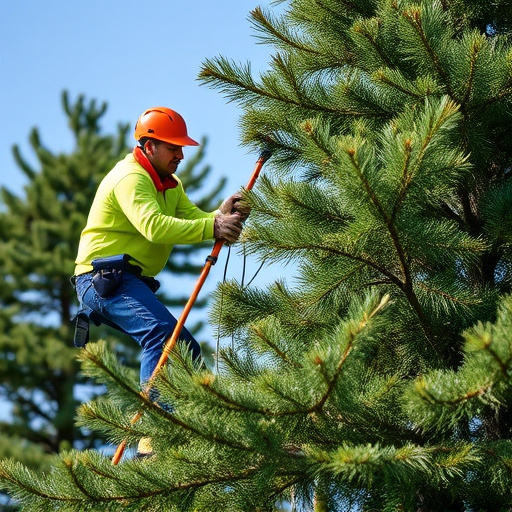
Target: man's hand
(228, 227)
(235, 204)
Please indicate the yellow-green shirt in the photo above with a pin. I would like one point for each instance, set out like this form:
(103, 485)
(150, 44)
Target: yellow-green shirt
(129, 215)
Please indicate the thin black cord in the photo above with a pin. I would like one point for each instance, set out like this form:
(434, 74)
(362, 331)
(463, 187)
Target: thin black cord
(255, 274)
(224, 278)
(226, 265)
(243, 267)
(217, 346)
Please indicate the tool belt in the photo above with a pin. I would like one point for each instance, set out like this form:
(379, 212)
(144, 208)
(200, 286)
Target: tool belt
(107, 277)
(108, 274)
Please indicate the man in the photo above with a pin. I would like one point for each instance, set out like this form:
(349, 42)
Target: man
(139, 213)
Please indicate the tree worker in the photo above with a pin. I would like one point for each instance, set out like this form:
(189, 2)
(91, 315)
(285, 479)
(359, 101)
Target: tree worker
(140, 211)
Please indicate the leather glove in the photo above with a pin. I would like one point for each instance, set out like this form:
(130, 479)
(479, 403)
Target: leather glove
(227, 227)
(234, 204)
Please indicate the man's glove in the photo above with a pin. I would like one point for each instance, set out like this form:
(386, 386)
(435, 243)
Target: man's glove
(228, 227)
(235, 204)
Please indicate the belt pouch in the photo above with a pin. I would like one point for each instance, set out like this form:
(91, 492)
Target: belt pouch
(81, 330)
(108, 273)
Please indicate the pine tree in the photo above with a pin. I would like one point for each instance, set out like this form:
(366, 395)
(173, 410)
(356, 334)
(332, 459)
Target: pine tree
(380, 378)
(40, 379)
(39, 233)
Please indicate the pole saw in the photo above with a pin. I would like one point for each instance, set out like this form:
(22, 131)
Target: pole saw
(171, 341)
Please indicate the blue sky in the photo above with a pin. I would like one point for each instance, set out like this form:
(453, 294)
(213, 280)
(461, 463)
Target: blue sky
(132, 55)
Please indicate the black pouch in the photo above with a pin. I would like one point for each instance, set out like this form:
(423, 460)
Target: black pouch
(82, 322)
(107, 281)
(108, 273)
(81, 329)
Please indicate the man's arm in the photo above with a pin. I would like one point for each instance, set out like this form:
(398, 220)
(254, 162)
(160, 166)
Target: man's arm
(136, 198)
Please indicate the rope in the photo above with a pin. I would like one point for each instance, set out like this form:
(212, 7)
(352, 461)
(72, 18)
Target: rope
(243, 267)
(217, 344)
(244, 287)
(255, 274)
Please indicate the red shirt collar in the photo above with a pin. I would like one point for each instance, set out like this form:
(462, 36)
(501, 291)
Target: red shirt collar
(160, 184)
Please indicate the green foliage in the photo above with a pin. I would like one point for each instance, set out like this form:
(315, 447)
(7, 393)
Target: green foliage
(441, 400)
(39, 232)
(380, 378)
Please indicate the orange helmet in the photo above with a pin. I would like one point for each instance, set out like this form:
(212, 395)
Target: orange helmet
(164, 124)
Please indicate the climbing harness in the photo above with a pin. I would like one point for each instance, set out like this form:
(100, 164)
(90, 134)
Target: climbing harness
(171, 341)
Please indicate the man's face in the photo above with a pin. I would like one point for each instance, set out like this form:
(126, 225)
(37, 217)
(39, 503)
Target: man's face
(164, 157)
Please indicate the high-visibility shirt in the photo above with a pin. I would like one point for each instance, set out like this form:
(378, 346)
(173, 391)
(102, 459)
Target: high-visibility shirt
(129, 215)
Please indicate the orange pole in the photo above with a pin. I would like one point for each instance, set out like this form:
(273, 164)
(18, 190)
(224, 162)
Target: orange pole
(171, 341)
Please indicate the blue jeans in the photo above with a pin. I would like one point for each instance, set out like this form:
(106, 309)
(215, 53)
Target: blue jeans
(135, 310)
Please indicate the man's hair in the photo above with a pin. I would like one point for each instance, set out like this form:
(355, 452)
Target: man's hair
(142, 141)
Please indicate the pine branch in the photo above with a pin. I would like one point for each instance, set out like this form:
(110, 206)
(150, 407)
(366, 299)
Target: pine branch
(237, 84)
(268, 342)
(188, 426)
(474, 52)
(505, 93)
(413, 17)
(358, 329)
(272, 31)
(364, 29)
(404, 283)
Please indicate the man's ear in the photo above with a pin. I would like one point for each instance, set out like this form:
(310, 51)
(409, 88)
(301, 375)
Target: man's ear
(149, 147)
